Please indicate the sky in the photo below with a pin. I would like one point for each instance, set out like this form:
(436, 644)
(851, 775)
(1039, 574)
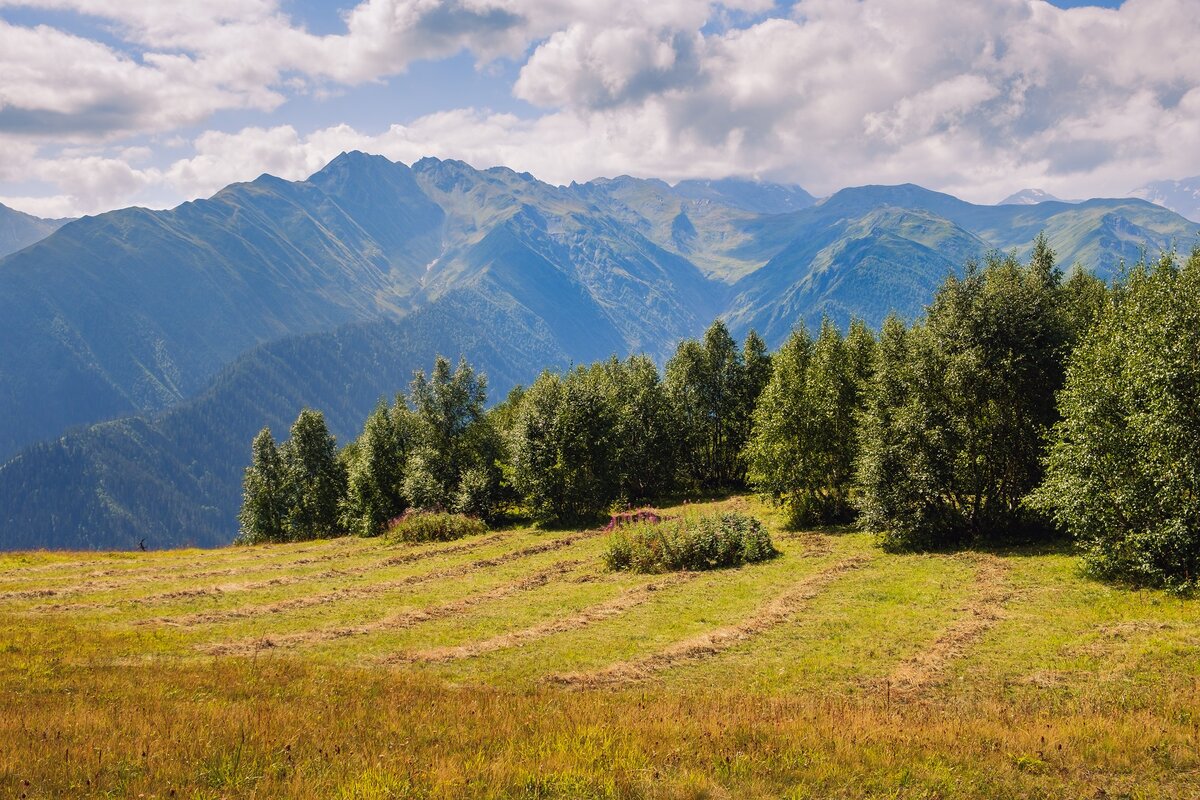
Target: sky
(109, 103)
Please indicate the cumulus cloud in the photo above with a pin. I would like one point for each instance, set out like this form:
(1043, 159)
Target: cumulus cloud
(978, 99)
(598, 68)
(55, 84)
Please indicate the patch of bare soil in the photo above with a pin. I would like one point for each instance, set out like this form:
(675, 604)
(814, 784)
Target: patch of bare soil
(706, 645)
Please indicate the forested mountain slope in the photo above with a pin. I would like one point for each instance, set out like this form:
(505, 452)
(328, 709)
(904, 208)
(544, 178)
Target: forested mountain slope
(175, 479)
(135, 310)
(868, 251)
(136, 313)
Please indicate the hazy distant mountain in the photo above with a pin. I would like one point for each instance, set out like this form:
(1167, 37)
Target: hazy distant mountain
(1030, 197)
(19, 230)
(144, 348)
(1182, 197)
(758, 196)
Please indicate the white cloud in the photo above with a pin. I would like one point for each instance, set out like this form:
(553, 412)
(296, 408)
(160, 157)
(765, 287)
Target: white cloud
(64, 87)
(978, 99)
(47, 207)
(600, 67)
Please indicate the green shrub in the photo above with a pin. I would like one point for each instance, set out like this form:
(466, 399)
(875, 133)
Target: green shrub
(692, 543)
(434, 526)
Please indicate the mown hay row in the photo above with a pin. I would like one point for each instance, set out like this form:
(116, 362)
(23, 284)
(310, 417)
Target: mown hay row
(244, 586)
(158, 564)
(589, 616)
(991, 592)
(711, 643)
(369, 590)
(404, 619)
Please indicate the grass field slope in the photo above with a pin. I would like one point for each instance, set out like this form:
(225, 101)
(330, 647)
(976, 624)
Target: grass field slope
(511, 664)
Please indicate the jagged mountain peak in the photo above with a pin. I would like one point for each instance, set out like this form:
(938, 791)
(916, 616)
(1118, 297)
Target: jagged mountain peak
(357, 160)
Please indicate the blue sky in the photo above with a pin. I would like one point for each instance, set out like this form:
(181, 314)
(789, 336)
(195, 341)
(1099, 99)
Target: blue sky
(105, 103)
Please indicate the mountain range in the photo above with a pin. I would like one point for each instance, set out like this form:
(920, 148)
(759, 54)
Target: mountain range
(143, 349)
(1182, 197)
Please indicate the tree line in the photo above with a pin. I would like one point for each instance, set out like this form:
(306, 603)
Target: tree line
(565, 448)
(1022, 405)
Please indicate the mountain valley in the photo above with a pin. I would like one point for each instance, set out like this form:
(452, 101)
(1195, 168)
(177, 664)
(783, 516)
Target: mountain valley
(177, 334)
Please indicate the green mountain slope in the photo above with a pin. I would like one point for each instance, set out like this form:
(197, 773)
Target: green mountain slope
(175, 479)
(889, 259)
(135, 310)
(1095, 234)
(868, 251)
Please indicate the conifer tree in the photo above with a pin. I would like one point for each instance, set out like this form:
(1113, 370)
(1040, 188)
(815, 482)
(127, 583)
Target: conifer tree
(451, 437)
(706, 382)
(1043, 264)
(860, 349)
(536, 471)
(1084, 299)
(833, 390)
(265, 494)
(779, 451)
(684, 376)
(756, 373)
(316, 478)
(802, 450)
(642, 445)
(756, 362)
(375, 480)
(902, 468)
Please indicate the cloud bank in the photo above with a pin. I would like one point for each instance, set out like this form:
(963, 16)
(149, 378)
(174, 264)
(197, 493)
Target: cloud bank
(978, 99)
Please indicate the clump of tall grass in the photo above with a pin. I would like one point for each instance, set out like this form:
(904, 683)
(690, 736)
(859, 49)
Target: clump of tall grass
(434, 526)
(708, 541)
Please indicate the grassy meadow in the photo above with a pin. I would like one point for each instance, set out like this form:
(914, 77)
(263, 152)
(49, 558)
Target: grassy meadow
(511, 664)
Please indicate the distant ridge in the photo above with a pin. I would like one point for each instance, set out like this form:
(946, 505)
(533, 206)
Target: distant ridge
(1182, 197)
(1031, 197)
(758, 196)
(18, 230)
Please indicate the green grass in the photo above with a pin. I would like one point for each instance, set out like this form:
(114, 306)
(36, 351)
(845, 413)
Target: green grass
(882, 675)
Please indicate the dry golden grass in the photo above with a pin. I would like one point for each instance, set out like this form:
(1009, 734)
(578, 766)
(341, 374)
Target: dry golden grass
(422, 671)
